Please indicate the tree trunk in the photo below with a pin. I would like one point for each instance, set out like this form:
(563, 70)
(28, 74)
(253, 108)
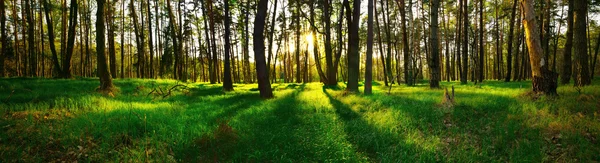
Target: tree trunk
(271, 32)
(105, 78)
(139, 39)
(582, 73)
(369, 64)
(408, 72)
(353, 55)
(213, 73)
(150, 41)
(227, 83)
(380, 46)
(297, 49)
(331, 74)
(511, 30)
(246, 69)
(31, 39)
(566, 72)
(465, 52)
(3, 38)
(259, 50)
(434, 66)
(481, 45)
(112, 56)
(544, 80)
(71, 40)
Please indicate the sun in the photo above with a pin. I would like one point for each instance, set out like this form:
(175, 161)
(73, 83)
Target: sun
(309, 38)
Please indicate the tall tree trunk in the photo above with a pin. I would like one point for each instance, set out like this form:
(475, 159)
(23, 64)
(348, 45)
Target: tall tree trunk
(271, 32)
(112, 54)
(227, 83)
(3, 38)
(380, 46)
(259, 50)
(247, 74)
(511, 36)
(105, 78)
(434, 66)
(481, 45)
(150, 41)
(544, 80)
(57, 70)
(139, 39)
(465, 52)
(369, 64)
(331, 74)
(71, 40)
(297, 49)
(353, 55)
(582, 72)
(386, 23)
(338, 54)
(566, 72)
(31, 39)
(123, 40)
(408, 72)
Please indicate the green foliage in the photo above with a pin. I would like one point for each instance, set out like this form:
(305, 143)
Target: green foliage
(66, 120)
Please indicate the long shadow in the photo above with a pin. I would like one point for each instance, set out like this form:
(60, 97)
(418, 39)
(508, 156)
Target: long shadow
(368, 139)
(252, 131)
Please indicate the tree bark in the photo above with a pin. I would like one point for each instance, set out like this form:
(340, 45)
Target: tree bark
(544, 80)
(465, 52)
(105, 78)
(408, 72)
(582, 75)
(70, 40)
(434, 66)
(3, 38)
(259, 50)
(227, 83)
(150, 41)
(511, 30)
(369, 64)
(353, 55)
(566, 72)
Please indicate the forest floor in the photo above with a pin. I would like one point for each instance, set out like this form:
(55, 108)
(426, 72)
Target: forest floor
(66, 120)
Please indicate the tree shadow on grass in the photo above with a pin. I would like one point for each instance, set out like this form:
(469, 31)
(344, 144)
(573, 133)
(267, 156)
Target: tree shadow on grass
(379, 145)
(247, 137)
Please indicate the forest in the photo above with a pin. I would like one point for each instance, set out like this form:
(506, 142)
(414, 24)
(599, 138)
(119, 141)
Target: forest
(299, 80)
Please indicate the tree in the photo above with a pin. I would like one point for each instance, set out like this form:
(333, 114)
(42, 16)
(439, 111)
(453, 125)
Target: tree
(566, 72)
(434, 66)
(297, 49)
(331, 73)
(510, 41)
(103, 72)
(150, 41)
(407, 58)
(582, 73)
(544, 80)
(465, 52)
(110, 28)
(3, 38)
(139, 39)
(31, 39)
(70, 40)
(369, 64)
(264, 86)
(353, 55)
(227, 83)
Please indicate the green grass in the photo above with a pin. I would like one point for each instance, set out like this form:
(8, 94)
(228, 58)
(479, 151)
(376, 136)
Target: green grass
(66, 120)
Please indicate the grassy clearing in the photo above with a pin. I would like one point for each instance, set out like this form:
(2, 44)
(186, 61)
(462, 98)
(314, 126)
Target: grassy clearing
(65, 120)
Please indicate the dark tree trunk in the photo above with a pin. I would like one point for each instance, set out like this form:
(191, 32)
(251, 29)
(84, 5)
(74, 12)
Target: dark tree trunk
(71, 40)
(511, 30)
(331, 74)
(481, 45)
(139, 39)
(227, 83)
(297, 49)
(353, 46)
(380, 46)
(259, 50)
(434, 66)
(369, 64)
(566, 72)
(580, 40)
(48, 10)
(150, 41)
(31, 39)
(105, 78)
(271, 32)
(3, 38)
(112, 56)
(465, 50)
(408, 72)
